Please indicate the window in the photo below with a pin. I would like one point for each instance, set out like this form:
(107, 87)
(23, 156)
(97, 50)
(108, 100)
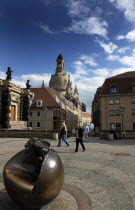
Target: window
(133, 126)
(38, 124)
(133, 88)
(113, 89)
(133, 112)
(117, 112)
(38, 113)
(30, 113)
(111, 112)
(117, 101)
(30, 124)
(31, 96)
(133, 100)
(39, 103)
(111, 101)
(118, 126)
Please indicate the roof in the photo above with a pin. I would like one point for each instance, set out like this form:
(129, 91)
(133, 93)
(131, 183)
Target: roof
(124, 83)
(60, 57)
(86, 114)
(46, 95)
(128, 74)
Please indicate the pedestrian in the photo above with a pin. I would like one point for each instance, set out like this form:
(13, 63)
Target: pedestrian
(113, 131)
(65, 128)
(91, 129)
(86, 132)
(62, 135)
(79, 138)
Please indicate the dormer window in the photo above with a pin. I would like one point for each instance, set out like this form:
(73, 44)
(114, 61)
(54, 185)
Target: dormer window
(39, 103)
(31, 96)
(133, 88)
(113, 89)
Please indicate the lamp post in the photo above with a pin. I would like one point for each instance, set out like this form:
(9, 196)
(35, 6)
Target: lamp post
(122, 108)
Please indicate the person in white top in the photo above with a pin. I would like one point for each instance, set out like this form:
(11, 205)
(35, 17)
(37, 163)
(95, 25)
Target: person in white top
(91, 128)
(85, 132)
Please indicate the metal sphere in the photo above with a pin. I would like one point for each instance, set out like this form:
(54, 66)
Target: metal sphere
(31, 182)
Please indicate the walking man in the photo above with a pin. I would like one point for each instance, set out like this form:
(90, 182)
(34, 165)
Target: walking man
(62, 135)
(79, 138)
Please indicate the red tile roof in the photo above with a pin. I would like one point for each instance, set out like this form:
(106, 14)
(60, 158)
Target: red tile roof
(124, 83)
(128, 74)
(45, 95)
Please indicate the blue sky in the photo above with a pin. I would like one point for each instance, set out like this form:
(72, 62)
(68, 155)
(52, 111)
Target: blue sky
(96, 37)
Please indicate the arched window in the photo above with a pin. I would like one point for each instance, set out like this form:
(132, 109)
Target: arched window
(113, 89)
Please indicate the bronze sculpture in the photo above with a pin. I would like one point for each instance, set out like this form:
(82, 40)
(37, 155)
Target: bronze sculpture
(8, 73)
(28, 86)
(35, 175)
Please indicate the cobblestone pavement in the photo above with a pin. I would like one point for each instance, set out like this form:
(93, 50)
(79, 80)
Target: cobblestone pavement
(105, 173)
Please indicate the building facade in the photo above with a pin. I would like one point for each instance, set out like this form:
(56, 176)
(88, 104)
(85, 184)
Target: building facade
(14, 105)
(47, 109)
(86, 118)
(114, 102)
(61, 82)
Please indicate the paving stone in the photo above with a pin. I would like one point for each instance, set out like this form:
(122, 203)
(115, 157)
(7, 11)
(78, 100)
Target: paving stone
(105, 172)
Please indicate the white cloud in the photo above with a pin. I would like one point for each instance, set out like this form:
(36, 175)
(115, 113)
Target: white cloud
(128, 60)
(77, 8)
(91, 25)
(130, 36)
(88, 60)
(121, 70)
(46, 28)
(102, 72)
(79, 68)
(127, 6)
(108, 48)
(2, 75)
(112, 57)
(123, 49)
(35, 80)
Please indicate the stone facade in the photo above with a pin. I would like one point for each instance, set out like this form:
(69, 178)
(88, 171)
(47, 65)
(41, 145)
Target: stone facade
(86, 118)
(47, 110)
(116, 92)
(61, 82)
(14, 105)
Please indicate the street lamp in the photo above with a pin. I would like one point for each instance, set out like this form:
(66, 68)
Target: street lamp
(122, 108)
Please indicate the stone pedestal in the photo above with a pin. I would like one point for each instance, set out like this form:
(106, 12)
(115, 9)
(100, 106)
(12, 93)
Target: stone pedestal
(110, 136)
(55, 136)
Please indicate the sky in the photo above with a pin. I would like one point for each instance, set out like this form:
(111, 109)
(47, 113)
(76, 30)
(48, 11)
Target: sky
(96, 38)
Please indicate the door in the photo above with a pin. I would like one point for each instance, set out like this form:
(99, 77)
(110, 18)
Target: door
(13, 109)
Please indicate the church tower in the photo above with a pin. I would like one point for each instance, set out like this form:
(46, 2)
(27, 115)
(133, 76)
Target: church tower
(60, 64)
(60, 79)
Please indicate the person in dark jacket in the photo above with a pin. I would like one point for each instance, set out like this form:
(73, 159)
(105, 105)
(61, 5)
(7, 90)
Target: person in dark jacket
(79, 138)
(62, 135)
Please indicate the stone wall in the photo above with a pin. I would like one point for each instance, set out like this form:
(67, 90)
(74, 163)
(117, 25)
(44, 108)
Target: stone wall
(28, 133)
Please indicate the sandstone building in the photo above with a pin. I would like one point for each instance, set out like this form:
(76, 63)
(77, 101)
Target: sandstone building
(51, 106)
(114, 102)
(86, 118)
(61, 82)
(14, 105)
(47, 109)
